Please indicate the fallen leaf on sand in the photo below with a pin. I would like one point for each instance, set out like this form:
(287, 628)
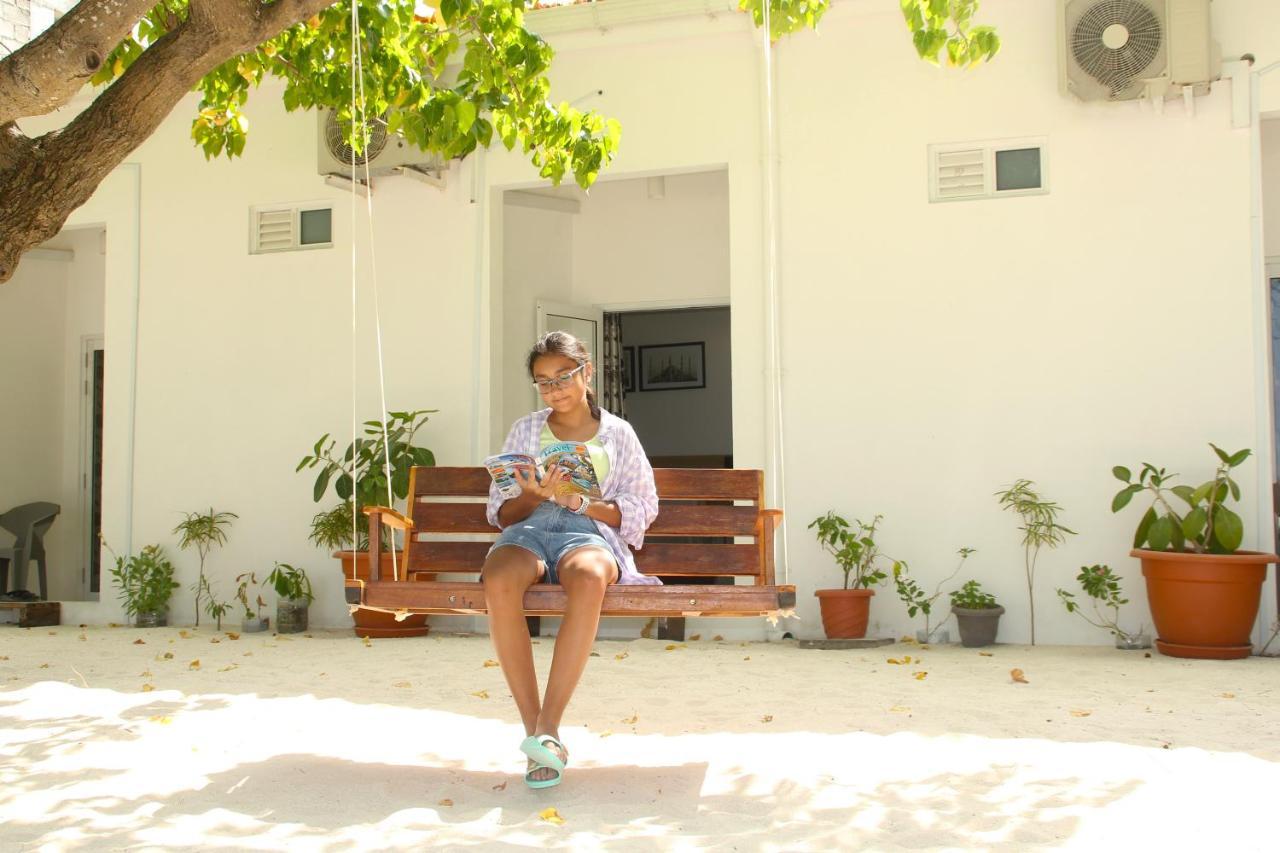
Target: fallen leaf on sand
(1018, 676)
(367, 642)
(550, 815)
(717, 638)
(1228, 695)
(606, 733)
(1081, 713)
(247, 654)
(82, 638)
(491, 663)
(694, 638)
(900, 709)
(4, 657)
(631, 721)
(280, 639)
(232, 635)
(166, 656)
(183, 634)
(767, 718)
(214, 640)
(44, 666)
(647, 630)
(195, 664)
(162, 720)
(147, 688)
(986, 654)
(594, 655)
(227, 668)
(919, 676)
(501, 786)
(907, 640)
(139, 642)
(481, 694)
(146, 673)
(671, 646)
(402, 684)
(894, 661)
(748, 657)
(621, 655)
(446, 802)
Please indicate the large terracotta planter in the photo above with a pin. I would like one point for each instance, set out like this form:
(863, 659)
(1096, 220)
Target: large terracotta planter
(845, 612)
(375, 623)
(1204, 605)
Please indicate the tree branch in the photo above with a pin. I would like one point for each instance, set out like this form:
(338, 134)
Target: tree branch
(47, 71)
(59, 171)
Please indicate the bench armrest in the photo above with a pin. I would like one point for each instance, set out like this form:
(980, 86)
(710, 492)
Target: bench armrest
(390, 517)
(774, 514)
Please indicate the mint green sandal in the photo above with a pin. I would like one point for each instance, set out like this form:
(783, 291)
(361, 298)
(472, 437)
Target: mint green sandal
(534, 746)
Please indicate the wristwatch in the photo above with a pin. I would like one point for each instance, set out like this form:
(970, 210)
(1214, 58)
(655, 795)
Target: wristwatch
(583, 503)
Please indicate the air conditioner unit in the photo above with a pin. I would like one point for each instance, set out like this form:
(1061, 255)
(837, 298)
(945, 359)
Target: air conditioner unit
(386, 154)
(1118, 50)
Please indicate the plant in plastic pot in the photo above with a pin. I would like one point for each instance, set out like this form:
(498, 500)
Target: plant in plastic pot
(1203, 589)
(977, 615)
(293, 589)
(253, 622)
(145, 582)
(1102, 586)
(846, 611)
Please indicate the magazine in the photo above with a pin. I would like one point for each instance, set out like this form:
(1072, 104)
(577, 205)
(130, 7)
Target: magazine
(571, 456)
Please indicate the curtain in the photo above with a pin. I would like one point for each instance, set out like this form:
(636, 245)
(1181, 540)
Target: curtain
(610, 366)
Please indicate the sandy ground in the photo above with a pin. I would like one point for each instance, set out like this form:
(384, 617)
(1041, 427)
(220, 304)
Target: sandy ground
(124, 738)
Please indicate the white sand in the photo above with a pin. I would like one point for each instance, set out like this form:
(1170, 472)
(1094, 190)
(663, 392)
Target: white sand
(321, 742)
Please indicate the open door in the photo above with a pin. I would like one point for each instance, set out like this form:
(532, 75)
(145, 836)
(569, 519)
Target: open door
(585, 322)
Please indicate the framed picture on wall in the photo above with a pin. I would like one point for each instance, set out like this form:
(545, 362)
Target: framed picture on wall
(628, 370)
(672, 367)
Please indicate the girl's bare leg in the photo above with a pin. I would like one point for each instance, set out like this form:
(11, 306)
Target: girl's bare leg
(506, 575)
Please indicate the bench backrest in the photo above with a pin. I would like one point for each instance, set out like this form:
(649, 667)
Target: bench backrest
(694, 504)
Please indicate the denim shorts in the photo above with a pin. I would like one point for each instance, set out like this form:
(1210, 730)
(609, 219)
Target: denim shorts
(551, 532)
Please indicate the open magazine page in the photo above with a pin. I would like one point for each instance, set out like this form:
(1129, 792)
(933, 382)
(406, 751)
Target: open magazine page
(503, 467)
(575, 459)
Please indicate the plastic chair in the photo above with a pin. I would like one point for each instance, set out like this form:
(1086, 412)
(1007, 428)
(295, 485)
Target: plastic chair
(29, 523)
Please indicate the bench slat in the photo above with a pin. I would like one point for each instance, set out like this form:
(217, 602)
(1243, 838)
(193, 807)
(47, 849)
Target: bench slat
(709, 484)
(672, 560)
(674, 519)
(549, 599)
(451, 482)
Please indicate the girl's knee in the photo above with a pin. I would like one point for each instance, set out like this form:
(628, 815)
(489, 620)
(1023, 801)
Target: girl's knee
(590, 569)
(509, 569)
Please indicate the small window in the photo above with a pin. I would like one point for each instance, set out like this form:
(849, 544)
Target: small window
(976, 170)
(285, 228)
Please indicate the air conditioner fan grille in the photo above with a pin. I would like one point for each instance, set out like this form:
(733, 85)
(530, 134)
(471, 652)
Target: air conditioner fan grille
(1119, 66)
(335, 132)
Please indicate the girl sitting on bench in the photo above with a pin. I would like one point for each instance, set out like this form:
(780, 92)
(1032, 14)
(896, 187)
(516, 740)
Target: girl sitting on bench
(571, 540)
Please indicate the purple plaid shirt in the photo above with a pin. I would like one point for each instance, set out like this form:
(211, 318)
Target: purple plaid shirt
(629, 484)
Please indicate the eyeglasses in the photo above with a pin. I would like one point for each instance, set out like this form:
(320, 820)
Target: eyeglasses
(556, 382)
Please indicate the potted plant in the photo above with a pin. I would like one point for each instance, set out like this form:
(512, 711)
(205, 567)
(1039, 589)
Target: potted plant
(977, 615)
(202, 531)
(293, 591)
(1040, 529)
(1103, 587)
(1203, 590)
(845, 611)
(145, 582)
(358, 478)
(917, 602)
(253, 622)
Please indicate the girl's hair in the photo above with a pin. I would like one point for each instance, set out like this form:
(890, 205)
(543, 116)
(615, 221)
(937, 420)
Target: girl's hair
(565, 344)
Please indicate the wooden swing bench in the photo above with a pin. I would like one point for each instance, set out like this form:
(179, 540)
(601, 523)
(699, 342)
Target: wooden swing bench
(695, 504)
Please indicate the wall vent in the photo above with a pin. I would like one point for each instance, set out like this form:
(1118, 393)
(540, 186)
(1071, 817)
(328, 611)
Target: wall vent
(288, 228)
(966, 171)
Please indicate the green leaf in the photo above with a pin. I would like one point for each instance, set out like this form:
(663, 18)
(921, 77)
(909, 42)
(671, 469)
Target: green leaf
(1144, 527)
(1122, 498)
(1222, 454)
(1121, 473)
(322, 485)
(1161, 533)
(1186, 493)
(1238, 457)
(1228, 529)
(1194, 523)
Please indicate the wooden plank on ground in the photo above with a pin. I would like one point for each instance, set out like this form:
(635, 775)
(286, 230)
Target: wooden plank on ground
(35, 614)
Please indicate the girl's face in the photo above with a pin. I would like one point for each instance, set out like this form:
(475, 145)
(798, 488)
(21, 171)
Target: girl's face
(561, 381)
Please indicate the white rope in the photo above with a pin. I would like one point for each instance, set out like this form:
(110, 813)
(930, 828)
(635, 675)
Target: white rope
(355, 537)
(357, 65)
(771, 284)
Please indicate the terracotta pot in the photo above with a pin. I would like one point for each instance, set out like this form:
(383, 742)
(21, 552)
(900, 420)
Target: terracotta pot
(978, 626)
(1204, 605)
(845, 612)
(375, 623)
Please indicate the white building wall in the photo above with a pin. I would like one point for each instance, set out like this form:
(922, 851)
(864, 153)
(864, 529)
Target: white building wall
(931, 353)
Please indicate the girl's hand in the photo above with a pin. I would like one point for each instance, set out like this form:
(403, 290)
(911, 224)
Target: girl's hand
(546, 490)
